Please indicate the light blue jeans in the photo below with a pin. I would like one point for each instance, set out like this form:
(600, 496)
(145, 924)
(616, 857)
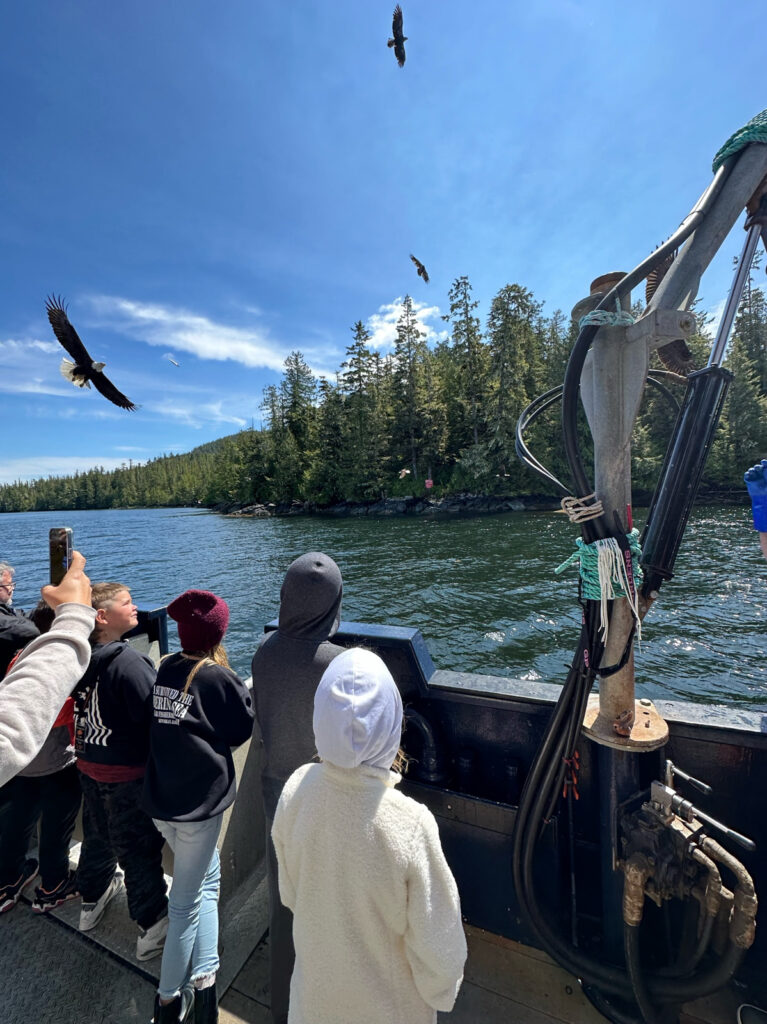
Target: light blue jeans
(191, 948)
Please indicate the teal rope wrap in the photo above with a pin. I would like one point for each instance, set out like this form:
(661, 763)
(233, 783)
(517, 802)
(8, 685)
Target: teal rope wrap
(604, 318)
(754, 131)
(587, 555)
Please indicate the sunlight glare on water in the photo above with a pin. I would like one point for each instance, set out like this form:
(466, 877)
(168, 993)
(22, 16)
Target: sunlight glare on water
(481, 590)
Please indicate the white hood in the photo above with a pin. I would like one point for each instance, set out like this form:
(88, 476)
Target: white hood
(357, 712)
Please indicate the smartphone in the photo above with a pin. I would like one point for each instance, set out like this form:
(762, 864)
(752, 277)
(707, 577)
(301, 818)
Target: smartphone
(60, 546)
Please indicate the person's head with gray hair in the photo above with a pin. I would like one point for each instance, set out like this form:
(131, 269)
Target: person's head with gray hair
(6, 583)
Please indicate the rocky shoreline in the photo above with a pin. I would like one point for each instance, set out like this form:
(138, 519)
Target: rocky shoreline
(451, 505)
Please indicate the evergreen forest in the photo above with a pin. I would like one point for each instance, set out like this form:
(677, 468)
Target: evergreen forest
(445, 414)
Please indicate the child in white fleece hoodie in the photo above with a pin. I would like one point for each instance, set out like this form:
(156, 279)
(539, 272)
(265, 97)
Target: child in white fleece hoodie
(377, 919)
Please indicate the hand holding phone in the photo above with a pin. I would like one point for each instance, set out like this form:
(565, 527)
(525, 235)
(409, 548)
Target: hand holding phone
(60, 548)
(75, 588)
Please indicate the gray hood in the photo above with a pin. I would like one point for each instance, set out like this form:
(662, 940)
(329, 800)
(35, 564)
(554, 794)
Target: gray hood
(310, 599)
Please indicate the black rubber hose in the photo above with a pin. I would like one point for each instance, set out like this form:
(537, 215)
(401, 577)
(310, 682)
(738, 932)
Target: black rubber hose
(535, 800)
(636, 977)
(545, 401)
(685, 967)
(596, 528)
(600, 1001)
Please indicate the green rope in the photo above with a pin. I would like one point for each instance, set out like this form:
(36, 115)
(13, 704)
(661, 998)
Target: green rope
(604, 318)
(587, 555)
(754, 131)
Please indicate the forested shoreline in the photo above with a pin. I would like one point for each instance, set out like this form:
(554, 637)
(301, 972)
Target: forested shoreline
(426, 424)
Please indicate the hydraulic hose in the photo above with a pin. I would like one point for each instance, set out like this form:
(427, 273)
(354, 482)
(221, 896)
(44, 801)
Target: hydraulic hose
(636, 977)
(596, 528)
(430, 769)
(545, 778)
(543, 402)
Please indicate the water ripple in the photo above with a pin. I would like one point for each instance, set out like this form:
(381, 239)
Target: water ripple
(482, 591)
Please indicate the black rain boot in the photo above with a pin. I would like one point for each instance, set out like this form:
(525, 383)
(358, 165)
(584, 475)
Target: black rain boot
(206, 1005)
(174, 1012)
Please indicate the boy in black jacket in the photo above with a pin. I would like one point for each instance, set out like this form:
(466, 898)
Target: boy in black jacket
(113, 704)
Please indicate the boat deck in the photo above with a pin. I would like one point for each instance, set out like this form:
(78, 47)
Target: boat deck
(55, 973)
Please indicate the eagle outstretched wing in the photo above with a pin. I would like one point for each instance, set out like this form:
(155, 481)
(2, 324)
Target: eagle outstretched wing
(84, 369)
(398, 42)
(65, 332)
(420, 268)
(104, 385)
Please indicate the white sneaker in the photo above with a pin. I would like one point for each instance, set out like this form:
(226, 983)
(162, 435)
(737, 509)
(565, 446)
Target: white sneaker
(151, 940)
(91, 913)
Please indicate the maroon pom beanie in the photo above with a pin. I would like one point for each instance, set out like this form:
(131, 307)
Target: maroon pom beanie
(202, 619)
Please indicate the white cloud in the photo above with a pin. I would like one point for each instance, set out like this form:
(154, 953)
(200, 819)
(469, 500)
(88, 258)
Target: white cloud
(32, 467)
(25, 367)
(183, 331)
(13, 348)
(383, 324)
(716, 313)
(198, 414)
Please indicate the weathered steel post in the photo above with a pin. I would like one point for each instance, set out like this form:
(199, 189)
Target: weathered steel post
(612, 382)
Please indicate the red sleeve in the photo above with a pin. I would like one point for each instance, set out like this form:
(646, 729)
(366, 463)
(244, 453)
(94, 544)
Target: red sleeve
(67, 714)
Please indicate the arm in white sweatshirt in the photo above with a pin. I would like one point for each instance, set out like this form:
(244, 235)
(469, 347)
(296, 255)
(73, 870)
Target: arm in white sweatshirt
(32, 693)
(435, 943)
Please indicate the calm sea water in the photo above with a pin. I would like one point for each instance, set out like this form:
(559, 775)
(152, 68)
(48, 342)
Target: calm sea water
(482, 591)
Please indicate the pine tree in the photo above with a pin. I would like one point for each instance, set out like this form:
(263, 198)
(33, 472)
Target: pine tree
(514, 340)
(409, 387)
(471, 363)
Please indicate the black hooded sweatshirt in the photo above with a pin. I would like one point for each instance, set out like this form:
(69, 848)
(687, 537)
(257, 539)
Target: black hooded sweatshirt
(288, 666)
(112, 707)
(190, 773)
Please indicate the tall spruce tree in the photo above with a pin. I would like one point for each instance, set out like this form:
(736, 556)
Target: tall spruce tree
(514, 341)
(409, 389)
(471, 363)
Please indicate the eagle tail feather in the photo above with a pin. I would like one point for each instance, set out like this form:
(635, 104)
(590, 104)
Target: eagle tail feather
(67, 370)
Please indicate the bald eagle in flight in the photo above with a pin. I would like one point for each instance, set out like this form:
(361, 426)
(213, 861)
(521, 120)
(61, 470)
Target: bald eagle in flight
(399, 40)
(83, 371)
(420, 268)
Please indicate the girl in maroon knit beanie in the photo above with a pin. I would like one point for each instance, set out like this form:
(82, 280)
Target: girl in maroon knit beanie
(201, 709)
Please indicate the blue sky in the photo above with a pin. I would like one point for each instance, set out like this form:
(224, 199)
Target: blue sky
(226, 183)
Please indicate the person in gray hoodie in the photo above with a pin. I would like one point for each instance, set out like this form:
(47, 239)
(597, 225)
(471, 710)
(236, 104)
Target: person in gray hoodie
(286, 670)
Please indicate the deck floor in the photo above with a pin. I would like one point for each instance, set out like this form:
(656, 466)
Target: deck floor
(54, 973)
(505, 983)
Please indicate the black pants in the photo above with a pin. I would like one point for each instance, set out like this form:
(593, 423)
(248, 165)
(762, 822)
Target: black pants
(54, 801)
(116, 829)
(282, 955)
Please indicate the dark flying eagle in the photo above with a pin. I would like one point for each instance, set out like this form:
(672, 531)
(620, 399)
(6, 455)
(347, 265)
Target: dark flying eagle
(398, 42)
(83, 370)
(675, 356)
(420, 268)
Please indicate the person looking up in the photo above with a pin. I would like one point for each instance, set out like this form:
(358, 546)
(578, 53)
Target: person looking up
(16, 630)
(286, 670)
(113, 708)
(376, 915)
(201, 709)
